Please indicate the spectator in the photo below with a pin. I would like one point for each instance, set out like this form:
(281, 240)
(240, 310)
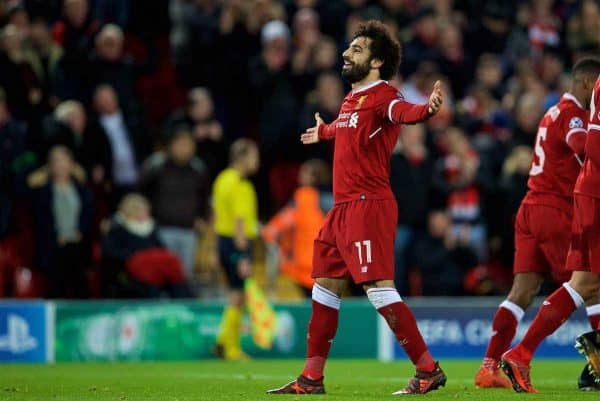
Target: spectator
(211, 144)
(275, 108)
(325, 100)
(124, 139)
(109, 65)
(46, 60)
(489, 33)
(527, 115)
(293, 229)
(544, 27)
(583, 30)
(19, 17)
(236, 224)
(63, 212)
(454, 61)
(74, 32)
(513, 184)
(132, 246)
(551, 68)
(76, 28)
(176, 183)
(411, 171)
(16, 75)
(458, 176)
(422, 47)
(69, 127)
(326, 56)
(13, 139)
(273, 92)
(489, 74)
(443, 256)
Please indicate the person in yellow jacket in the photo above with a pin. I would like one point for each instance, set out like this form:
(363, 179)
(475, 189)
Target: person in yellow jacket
(236, 225)
(294, 228)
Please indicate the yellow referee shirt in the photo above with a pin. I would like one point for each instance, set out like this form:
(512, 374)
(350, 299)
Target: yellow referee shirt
(233, 198)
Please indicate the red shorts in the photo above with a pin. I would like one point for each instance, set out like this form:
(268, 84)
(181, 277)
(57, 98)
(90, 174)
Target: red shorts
(584, 253)
(542, 235)
(357, 239)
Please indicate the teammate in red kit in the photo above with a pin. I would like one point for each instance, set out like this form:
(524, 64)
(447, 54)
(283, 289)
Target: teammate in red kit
(542, 227)
(356, 241)
(583, 259)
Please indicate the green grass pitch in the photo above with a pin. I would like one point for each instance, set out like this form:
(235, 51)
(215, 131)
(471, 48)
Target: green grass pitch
(352, 380)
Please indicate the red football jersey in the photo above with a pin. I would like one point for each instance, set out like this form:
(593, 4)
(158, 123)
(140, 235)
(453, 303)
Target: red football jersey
(555, 166)
(588, 182)
(365, 132)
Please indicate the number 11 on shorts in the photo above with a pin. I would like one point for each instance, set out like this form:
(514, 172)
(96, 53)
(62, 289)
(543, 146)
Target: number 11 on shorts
(367, 245)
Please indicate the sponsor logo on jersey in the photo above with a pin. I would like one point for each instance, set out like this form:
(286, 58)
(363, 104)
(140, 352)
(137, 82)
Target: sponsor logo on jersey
(347, 120)
(576, 122)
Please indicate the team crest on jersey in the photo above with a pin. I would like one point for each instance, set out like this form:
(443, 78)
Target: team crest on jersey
(353, 123)
(576, 122)
(361, 100)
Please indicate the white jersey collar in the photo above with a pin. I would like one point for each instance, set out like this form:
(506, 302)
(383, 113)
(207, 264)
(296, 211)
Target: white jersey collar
(367, 86)
(569, 96)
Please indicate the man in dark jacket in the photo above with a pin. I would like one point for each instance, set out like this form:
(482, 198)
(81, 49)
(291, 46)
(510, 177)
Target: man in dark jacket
(177, 185)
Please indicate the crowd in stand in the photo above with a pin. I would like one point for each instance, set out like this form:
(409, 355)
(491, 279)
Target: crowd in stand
(117, 115)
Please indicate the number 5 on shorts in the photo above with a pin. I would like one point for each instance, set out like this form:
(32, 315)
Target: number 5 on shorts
(367, 244)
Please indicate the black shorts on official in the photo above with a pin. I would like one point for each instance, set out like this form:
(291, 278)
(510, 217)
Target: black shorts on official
(229, 257)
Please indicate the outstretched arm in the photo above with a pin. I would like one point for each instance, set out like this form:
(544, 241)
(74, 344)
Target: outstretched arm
(320, 131)
(402, 112)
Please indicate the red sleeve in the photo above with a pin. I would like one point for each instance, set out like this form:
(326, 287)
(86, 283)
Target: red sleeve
(394, 108)
(326, 131)
(401, 112)
(592, 145)
(574, 127)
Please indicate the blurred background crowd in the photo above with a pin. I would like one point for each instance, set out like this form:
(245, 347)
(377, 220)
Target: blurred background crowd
(116, 116)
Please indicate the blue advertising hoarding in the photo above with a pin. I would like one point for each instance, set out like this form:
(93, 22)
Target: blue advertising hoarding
(26, 332)
(461, 329)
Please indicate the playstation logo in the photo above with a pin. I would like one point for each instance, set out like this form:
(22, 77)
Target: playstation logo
(17, 339)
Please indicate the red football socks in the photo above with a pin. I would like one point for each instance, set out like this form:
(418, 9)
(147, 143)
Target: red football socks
(321, 330)
(554, 311)
(402, 322)
(504, 327)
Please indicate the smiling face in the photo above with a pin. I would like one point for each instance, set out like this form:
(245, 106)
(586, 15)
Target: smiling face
(357, 60)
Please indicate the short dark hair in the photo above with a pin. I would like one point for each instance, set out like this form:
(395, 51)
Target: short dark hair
(180, 130)
(240, 148)
(587, 65)
(383, 46)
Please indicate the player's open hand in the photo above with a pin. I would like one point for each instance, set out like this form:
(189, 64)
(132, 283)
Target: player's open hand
(436, 99)
(311, 135)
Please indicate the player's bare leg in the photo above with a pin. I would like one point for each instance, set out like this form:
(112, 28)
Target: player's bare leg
(326, 297)
(504, 326)
(385, 298)
(555, 310)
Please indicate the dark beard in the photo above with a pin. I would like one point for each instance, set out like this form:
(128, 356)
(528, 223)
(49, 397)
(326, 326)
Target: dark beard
(357, 72)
